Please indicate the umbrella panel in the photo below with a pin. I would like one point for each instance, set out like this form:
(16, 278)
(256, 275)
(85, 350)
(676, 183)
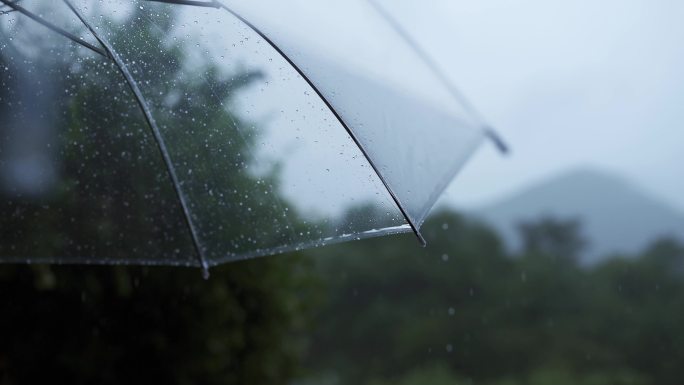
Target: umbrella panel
(402, 114)
(262, 163)
(56, 13)
(80, 177)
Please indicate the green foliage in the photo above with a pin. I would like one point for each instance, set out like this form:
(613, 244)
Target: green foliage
(463, 310)
(556, 238)
(111, 325)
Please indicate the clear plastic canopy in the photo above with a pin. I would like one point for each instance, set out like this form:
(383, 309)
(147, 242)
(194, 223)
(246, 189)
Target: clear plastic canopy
(161, 133)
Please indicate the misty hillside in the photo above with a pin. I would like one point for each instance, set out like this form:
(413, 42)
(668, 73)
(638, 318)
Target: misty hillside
(616, 216)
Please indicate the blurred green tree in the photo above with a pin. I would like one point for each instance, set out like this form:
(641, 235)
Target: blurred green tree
(463, 310)
(553, 237)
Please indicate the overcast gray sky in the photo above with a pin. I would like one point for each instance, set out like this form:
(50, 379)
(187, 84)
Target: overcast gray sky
(579, 83)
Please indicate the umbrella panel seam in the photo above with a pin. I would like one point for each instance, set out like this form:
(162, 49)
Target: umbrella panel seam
(155, 131)
(414, 226)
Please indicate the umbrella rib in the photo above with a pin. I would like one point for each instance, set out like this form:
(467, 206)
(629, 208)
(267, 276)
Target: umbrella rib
(496, 139)
(8, 10)
(219, 4)
(142, 103)
(414, 226)
(50, 26)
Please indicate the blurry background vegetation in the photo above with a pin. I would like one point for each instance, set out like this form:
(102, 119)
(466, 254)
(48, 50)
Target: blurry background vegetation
(380, 311)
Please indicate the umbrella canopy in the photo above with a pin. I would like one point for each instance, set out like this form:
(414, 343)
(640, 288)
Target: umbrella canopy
(197, 133)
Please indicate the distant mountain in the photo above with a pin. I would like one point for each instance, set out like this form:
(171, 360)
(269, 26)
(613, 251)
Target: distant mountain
(616, 216)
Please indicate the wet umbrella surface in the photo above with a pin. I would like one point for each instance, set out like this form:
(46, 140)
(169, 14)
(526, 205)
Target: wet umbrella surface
(198, 133)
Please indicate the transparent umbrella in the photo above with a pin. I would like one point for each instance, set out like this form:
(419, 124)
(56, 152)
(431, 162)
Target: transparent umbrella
(197, 133)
